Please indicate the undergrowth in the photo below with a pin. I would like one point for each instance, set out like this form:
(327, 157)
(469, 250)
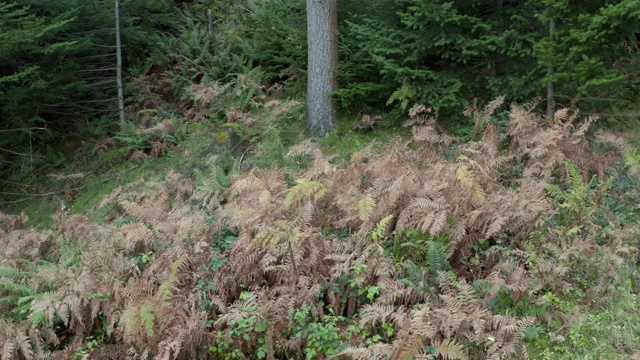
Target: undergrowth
(518, 243)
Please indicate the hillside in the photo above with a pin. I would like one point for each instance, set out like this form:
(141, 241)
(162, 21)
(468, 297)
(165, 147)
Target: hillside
(421, 246)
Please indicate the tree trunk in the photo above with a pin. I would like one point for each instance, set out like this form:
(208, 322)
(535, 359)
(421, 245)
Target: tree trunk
(551, 86)
(322, 39)
(499, 57)
(119, 64)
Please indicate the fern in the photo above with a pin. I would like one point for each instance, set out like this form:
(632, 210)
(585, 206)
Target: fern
(148, 314)
(449, 349)
(366, 207)
(132, 322)
(315, 245)
(131, 139)
(147, 318)
(580, 200)
(304, 190)
(169, 287)
(631, 157)
(12, 273)
(466, 178)
(18, 289)
(38, 318)
(437, 258)
(17, 295)
(380, 230)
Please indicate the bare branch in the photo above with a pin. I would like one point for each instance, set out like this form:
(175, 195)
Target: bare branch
(27, 130)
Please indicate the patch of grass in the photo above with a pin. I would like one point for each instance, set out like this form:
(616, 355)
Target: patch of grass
(612, 333)
(104, 173)
(272, 145)
(350, 137)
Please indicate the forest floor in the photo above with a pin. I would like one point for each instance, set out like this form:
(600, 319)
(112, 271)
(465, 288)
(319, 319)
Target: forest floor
(193, 237)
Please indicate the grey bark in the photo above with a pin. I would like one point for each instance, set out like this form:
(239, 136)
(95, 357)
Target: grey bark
(551, 86)
(322, 39)
(119, 64)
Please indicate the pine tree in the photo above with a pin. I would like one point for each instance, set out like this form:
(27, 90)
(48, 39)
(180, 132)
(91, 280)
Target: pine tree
(322, 42)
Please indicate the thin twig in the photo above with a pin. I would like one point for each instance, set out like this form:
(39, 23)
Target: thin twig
(27, 130)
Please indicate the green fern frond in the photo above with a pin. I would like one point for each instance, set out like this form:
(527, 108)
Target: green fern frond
(631, 158)
(138, 318)
(147, 318)
(466, 178)
(18, 289)
(206, 183)
(27, 299)
(379, 232)
(271, 236)
(38, 318)
(305, 190)
(437, 257)
(169, 287)
(366, 206)
(9, 299)
(295, 235)
(578, 199)
(11, 273)
(555, 191)
(130, 321)
(414, 276)
(573, 174)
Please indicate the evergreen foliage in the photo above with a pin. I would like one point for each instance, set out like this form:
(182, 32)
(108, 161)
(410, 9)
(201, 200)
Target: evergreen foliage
(58, 69)
(592, 52)
(443, 53)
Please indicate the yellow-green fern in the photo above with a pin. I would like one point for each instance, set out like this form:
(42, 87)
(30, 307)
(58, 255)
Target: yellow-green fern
(305, 190)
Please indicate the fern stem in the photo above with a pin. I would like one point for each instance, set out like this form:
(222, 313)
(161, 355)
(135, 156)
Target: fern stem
(293, 260)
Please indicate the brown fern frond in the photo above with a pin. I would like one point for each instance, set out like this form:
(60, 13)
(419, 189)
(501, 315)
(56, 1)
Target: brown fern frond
(103, 145)
(320, 166)
(8, 349)
(482, 117)
(377, 314)
(144, 212)
(354, 207)
(449, 349)
(423, 322)
(9, 223)
(408, 346)
(355, 353)
(23, 343)
(136, 236)
(138, 156)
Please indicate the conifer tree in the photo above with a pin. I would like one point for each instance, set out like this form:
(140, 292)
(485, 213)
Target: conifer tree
(322, 42)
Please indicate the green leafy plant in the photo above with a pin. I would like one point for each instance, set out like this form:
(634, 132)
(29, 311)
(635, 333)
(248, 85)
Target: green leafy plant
(323, 336)
(91, 343)
(420, 248)
(578, 201)
(146, 315)
(151, 140)
(20, 286)
(249, 329)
